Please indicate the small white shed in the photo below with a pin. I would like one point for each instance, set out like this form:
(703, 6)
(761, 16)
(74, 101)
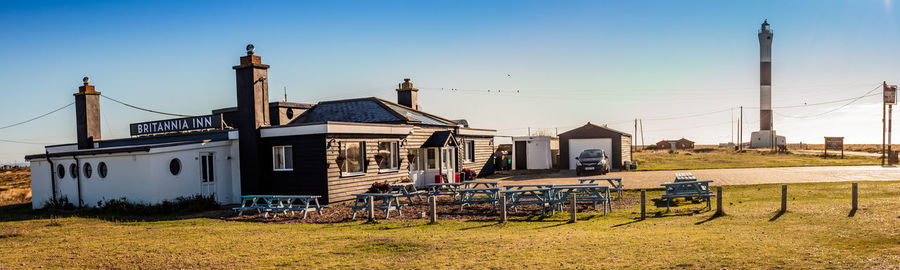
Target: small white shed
(531, 153)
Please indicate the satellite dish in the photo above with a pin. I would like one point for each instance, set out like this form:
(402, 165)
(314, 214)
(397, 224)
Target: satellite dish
(249, 48)
(85, 79)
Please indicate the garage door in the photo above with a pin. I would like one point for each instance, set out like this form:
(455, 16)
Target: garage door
(578, 145)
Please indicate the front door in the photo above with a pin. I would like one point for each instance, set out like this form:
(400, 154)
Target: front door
(521, 156)
(448, 162)
(207, 174)
(417, 168)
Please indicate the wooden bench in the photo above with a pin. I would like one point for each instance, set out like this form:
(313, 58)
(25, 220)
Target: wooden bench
(688, 189)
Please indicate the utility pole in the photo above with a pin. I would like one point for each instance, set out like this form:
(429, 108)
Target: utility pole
(634, 138)
(732, 124)
(642, 134)
(529, 131)
(741, 130)
(890, 97)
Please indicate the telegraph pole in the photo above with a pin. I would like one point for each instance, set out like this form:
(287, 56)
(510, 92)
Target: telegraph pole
(634, 140)
(890, 97)
(741, 130)
(642, 133)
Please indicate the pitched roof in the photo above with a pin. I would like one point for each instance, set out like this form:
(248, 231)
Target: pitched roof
(368, 110)
(591, 125)
(439, 139)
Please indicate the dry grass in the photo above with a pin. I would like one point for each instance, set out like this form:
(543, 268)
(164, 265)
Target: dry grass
(816, 232)
(720, 158)
(15, 186)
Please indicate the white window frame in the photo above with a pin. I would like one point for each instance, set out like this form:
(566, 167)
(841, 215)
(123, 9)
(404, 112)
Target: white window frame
(394, 148)
(363, 166)
(437, 158)
(282, 149)
(469, 153)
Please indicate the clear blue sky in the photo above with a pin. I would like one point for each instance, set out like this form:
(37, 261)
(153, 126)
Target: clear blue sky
(572, 61)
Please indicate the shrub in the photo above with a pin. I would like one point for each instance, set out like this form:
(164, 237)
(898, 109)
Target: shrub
(181, 205)
(379, 187)
(61, 203)
(704, 150)
(673, 151)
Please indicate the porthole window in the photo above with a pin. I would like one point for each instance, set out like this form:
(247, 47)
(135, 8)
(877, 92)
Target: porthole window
(73, 170)
(289, 113)
(60, 171)
(88, 170)
(175, 166)
(101, 168)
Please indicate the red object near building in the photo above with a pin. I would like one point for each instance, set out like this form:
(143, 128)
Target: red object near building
(456, 177)
(438, 179)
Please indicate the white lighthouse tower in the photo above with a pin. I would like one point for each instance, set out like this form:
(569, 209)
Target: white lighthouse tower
(765, 137)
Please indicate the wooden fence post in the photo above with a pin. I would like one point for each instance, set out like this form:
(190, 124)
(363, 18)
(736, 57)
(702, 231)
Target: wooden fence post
(719, 210)
(502, 209)
(433, 209)
(643, 204)
(371, 206)
(783, 198)
(855, 197)
(574, 208)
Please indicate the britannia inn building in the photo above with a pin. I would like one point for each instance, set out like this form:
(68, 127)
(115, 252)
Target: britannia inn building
(332, 148)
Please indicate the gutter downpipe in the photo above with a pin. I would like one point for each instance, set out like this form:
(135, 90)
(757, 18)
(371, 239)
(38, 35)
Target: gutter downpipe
(78, 178)
(52, 174)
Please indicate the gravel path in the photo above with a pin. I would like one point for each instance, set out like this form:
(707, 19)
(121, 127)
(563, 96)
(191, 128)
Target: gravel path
(652, 179)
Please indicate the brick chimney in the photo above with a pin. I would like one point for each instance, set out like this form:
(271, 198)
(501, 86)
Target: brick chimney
(407, 95)
(87, 115)
(253, 112)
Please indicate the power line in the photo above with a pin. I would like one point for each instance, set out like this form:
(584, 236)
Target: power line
(37, 117)
(835, 109)
(24, 142)
(145, 109)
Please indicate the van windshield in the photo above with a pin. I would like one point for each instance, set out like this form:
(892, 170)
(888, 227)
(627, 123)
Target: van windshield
(591, 154)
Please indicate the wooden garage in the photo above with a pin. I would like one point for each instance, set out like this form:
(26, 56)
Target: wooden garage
(616, 143)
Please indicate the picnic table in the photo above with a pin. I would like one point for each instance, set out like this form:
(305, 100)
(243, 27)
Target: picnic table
(526, 186)
(688, 189)
(592, 193)
(685, 177)
(279, 203)
(437, 189)
(519, 195)
(408, 190)
(614, 182)
(483, 184)
(470, 195)
(388, 202)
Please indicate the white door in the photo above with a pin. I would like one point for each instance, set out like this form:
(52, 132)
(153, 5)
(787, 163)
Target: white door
(448, 162)
(417, 168)
(578, 145)
(207, 174)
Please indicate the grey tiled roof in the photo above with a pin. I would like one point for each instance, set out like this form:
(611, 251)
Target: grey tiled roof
(367, 110)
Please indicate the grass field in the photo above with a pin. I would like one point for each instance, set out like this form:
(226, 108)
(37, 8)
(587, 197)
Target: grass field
(15, 186)
(718, 158)
(816, 232)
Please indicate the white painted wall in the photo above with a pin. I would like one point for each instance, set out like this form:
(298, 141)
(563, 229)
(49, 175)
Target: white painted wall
(537, 152)
(576, 146)
(140, 177)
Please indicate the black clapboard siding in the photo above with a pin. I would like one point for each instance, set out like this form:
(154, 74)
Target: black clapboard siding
(309, 174)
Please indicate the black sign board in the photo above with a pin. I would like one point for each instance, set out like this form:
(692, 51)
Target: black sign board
(176, 125)
(834, 143)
